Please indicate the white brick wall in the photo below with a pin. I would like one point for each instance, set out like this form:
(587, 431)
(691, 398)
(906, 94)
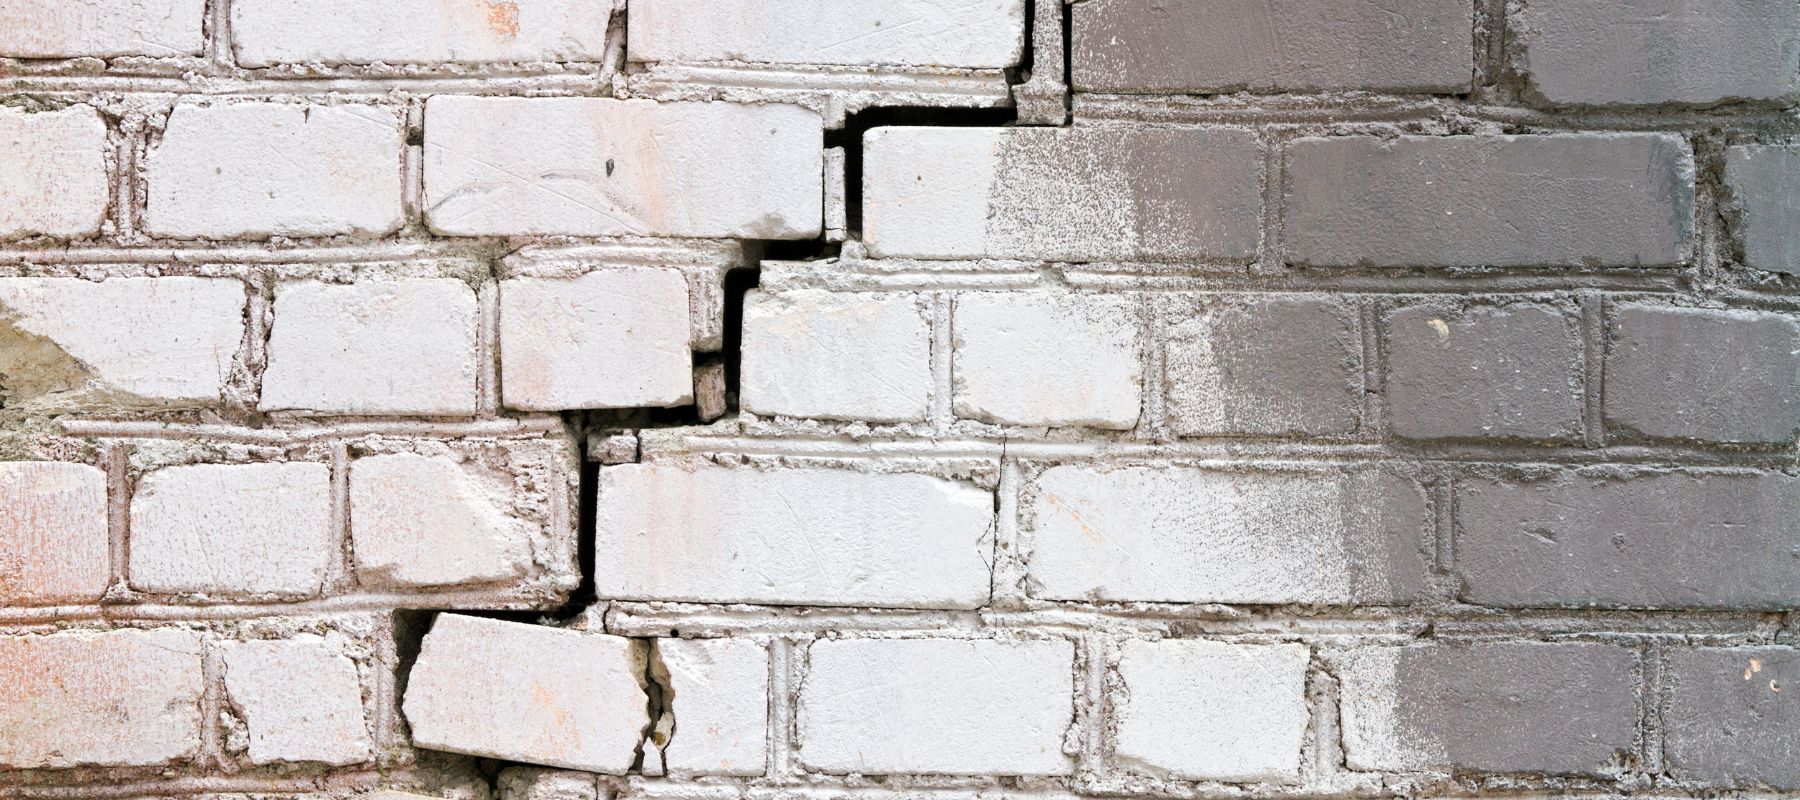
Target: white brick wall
(376, 347)
(300, 700)
(1212, 711)
(834, 356)
(946, 33)
(615, 338)
(101, 28)
(267, 32)
(53, 542)
(54, 179)
(127, 698)
(233, 529)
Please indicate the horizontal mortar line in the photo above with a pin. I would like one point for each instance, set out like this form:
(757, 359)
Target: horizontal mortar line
(672, 76)
(250, 254)
(342, 604)
(1304, 109)
(310, 432)
(835, 787)
(87, 788)
(573, 85)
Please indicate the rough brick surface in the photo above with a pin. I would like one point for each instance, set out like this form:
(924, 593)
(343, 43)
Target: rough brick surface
(1077, 195)
(1642, 52)
(1048, 360)
(1689, 373)
(1275, 367)
(1493, 707)
(832, 356)
(528, 693)
(614, 338)
(101, 28)
(267, 32)
(599, 167)
(376, 347)
(115, 699)
(53, 181)
(300, 699)
(53, 541)
(1509, 201)
(1212, 711)
(1732, 717)
(945, 33)
(232, 529)
(1204, 536)
(720, 535)
(1007, 702)
(463, 536)
(1764, 183)
(1291, 45)
(720, 689)
(275, 169)
(1694, 539)
(1511, 372)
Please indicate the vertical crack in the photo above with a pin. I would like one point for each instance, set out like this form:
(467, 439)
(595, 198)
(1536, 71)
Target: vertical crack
(659, 731)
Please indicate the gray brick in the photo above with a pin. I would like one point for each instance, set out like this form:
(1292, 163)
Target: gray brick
(1286, 45)
(1594, 538)
(1765, 194)
(1641, 52)
(1510, 372)
(1510, 201)
(1491, 707)
(1274, 367)
(1687, 373)
(1733, 715)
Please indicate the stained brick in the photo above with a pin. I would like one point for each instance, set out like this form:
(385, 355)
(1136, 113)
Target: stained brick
(128, 698)
(1270, 367)
(53, 542)
(1731, 715)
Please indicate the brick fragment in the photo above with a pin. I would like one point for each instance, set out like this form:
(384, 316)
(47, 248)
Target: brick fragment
(1508, 372)
(53, 181)
(1765, 193)
(269, 32)
(948, 706)
(425, 521)
(275, 169)
(300, 700)
(1566, 708)
(829, 355)
(128, 698)
(1579, 539)
(601, 167)
(530, 693)
(1690, 373)
(537, 783)
(615, 338)
(1270, 367)
(1616, 200)
(791, 536)
(1042, 359)
(1171, 534)
(721, 705)
(1291, 45)
(101, 28)
(1062, 194)
(1731, 716)
(233, 529)
(53, 542)
(1200, 710)
(941, 33)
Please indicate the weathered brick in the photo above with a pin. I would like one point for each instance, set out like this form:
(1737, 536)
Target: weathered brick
(791, 536)
(1287, 45)
(528, 693)
(942, 33)
(1490, 707)
(828, 355)
(300, 700)
(1508, 201)
(121, 341)
(615, 338)
(1200, 710)
(1731, 716)
(53, 181)
(127, 698)
(233, 529)
(275, 169)
(1269, 367)
(1043, 359)
(101, 28)
(269, 32)
(376, 347)
(463, 535)
(603, 167)
(1765, 193)
(538, 783)
(1686, 539)
(721, 705)
(1068, 194)
(53, 542)
(1505, 372)
(1172, 534)
(950, 706)
(1690, 373)
(1643, 52)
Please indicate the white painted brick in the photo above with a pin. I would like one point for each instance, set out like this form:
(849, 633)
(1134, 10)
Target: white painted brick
(616, 338)
(117, 699)
(1201, 710)
(101, 28)
(53, 542)
(1041, 359)
(950, 706)
(276, 169)
(300, 699)
(829, 355)
(54, 180)
(602, 167)
(462, 535)
(721, 704)
(943, 33)
(268, 32)
(528, 693)
(375, 347)
(793, 536)
(233, 529)
(164, 341)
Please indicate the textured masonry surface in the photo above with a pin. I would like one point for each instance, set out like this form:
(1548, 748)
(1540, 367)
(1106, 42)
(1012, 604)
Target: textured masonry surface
(899, 399)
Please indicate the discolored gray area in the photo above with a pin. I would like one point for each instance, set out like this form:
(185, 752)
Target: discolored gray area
(1764, 183)
(1275, 367)
(1507, 372)
(1733, 715)
(1739, 374)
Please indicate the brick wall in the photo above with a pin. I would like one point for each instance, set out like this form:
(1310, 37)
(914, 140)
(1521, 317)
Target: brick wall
(789, 399)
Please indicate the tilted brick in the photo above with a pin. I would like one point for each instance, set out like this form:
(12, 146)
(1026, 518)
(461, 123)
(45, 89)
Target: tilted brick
(827, 355)
(101, 28)
(1505, 372)
(233, 529)
(1764, 184)
(127, 698)
(54, 180)
(1042, 359)
(942, 33)
(1690, 373)
(53, 542)
(269, 32)
(1730, 715)
(1201, 710)
(1271, 367)
(613, 338)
